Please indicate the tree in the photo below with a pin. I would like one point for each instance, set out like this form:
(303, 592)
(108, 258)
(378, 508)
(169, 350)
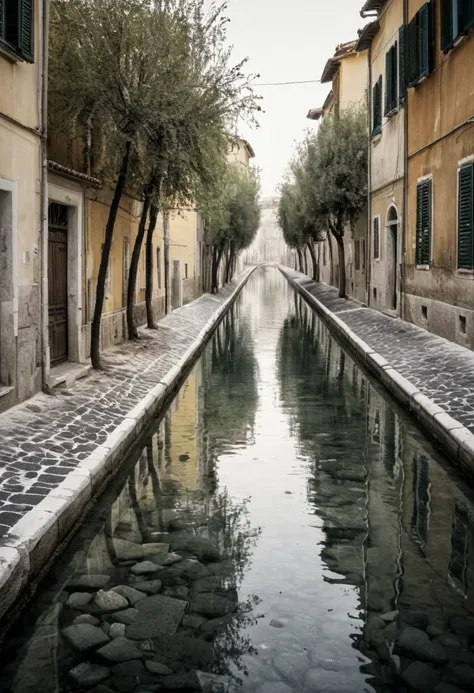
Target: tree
(149, 82)
(231, 209)
(337, 176)
(326, 187)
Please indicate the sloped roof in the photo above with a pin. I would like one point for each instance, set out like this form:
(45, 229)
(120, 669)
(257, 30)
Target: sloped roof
(372, 6)
(332, 65)
(366, 35)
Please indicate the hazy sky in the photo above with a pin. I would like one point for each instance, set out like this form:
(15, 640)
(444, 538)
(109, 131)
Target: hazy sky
(288, 40)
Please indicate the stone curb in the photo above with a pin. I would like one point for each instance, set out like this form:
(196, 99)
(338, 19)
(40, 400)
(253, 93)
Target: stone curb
(456, 440)
(33, 541)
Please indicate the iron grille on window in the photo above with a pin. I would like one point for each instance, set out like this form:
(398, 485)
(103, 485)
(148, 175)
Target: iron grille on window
(17, 27)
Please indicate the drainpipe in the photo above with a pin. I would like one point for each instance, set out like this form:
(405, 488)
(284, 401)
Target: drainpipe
(368, 250)
(43, 250)
(405, 188)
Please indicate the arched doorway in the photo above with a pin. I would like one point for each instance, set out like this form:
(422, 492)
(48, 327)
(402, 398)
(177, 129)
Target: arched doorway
(391, 227)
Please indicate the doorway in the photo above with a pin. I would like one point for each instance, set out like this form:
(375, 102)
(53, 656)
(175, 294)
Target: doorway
(392, 258)
(58, 282)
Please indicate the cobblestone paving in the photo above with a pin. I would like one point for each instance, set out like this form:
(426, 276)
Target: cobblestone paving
(43, 439)
(440, 369)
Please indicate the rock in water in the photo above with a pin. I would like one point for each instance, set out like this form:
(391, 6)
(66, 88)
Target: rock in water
(128, 550)
(77, 600)
(274, 623)
(87, 582)
(158, 616)
(158, 668)
(120, 650)
(421, 677)
(127, 617)
(86, 675)
(201, 547)
(145, 568)
(117, 630)
(107, 602)
(86, 618)
(83, 636)
(329, 681)
(130, 593)
(209, 604)
(149, 587)
(417, 643)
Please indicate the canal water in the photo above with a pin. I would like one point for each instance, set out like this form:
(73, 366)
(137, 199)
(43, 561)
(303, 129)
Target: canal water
(284, 528)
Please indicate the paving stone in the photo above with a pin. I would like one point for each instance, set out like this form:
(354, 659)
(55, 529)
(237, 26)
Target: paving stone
(85, 637)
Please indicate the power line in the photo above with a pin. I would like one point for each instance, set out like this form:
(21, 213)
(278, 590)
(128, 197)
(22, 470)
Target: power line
(281, 84)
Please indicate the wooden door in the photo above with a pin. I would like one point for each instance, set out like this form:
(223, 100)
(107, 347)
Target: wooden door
(57, 283)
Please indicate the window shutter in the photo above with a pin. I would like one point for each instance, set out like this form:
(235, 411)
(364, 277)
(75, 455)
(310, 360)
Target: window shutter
(412, 51)
(394, 54)
(426, 40)
(1, 18)
(465, 218)
(377, 106)
(446, 25)
(466, 15)
(388, 82)
(401, 66)
(376, 238)
(423, 223)
(27, 30)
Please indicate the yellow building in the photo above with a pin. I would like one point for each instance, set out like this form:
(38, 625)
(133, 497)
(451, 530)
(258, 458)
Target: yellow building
(383, 39)
(439, 248)
(22, 187)
(346, 71)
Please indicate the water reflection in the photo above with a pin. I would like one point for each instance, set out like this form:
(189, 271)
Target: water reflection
(304, 536)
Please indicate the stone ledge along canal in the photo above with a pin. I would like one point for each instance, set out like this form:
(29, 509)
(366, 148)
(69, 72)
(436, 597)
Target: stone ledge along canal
(284, 528)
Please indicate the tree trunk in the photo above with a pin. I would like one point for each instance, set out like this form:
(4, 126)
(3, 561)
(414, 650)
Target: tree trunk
(166, 258)
(300, 260)
(104, 260)
(149, 267)
(331, 260)
(313, 258)
(233, 263)
(132, 277)
(230, 264)
(342, 266)
(216, 261)
(227, 267)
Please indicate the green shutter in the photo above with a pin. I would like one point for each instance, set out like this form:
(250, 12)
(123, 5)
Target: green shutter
(423, 223)
(1, 18)
(466, 15)
(377, 106)
(27, 30)
(402, 87)
(394, 74)
(388, 82)
(412, 51)
(425, 27)
(446, 25)
(466, 218)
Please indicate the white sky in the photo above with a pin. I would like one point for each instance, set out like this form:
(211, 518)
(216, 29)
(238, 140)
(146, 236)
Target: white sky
(288, 40)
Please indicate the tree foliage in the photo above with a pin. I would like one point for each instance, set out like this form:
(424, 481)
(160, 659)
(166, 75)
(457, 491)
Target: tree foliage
(326, 186)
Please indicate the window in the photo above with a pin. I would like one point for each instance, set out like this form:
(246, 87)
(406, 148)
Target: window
(457, 18)
(377, 107)
(126, 270)
(185, 270)
(419, 45)
(420, 520)
(376, 238)
(423, 223)
(362, 253)
(460, 541)
(17, 27)
(466, 217)
(391, 79)
(158, 266)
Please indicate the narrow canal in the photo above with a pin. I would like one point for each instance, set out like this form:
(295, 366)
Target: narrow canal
(284, 528)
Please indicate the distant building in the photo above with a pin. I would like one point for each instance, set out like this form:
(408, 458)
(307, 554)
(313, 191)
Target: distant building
(269, 245)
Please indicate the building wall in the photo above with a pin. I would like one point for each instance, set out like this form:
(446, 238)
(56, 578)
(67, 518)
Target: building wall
(183, 229)
(436, 298)
(20, 315)
(352, 77)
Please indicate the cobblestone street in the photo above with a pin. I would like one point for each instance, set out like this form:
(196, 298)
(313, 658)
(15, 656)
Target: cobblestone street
(45, 438)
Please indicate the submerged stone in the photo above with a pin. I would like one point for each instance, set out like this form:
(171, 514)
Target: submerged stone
(127, 616)
(87, 675)
(328, 681)
(106, 602)
(421, 677)
(193, 621)
(417, 643)
(131, 594)
(86, 618)
(120, 650)
(145, 568)
(184, 652)
(158, 668)
(462, 625)
(216, 624)
(77, 600)
(177, 592)
(128, 550)
(83, 636)
(209, 604)
(274, 623)
(159, 615)
(274, 687)
(117, 630)
(149, 587)
(201, 547)
(87, 582)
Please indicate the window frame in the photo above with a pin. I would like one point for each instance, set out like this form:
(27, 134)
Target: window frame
(463, 271)
(421, 181)
(414, 44)
(22, 45)
(456, 30)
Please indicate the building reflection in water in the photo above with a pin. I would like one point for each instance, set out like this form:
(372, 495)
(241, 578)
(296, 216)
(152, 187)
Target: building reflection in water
(397, 523)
